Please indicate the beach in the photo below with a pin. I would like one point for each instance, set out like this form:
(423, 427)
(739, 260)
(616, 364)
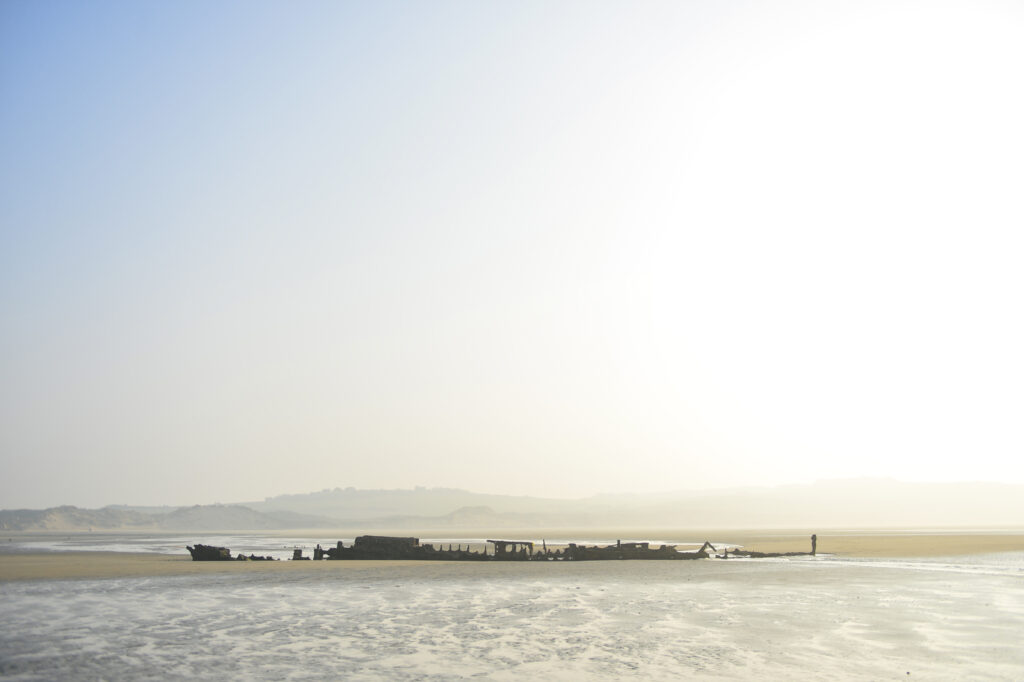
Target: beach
(877, 606)
(100, 565)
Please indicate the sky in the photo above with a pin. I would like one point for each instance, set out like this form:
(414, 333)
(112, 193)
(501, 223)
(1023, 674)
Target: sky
(540, 248)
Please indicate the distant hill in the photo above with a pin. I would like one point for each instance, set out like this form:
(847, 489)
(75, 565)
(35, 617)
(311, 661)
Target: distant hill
(215, 517)
(464, 517)
(352, 504)
(836, 503)
(73, 518)
(236, 517)
(825, 504)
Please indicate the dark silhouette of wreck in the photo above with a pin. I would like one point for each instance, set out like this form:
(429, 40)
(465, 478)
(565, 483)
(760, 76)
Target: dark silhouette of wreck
(395, 548)
(382, 547)
(209, 553)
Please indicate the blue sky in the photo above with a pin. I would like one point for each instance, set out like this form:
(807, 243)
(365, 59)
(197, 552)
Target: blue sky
(254, 248)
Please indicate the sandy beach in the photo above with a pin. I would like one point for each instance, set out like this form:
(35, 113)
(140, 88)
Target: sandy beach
(873, 605)
(166, 617)
(91, 565)
(850, 544)
(888, 544)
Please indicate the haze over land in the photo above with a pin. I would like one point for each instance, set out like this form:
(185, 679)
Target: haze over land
(826, 504)
(525, 248)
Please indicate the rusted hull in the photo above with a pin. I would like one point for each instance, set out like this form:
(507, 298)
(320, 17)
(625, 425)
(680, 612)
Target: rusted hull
(209, 553)
(374, 547)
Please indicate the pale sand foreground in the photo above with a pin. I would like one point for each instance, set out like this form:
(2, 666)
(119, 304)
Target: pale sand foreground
(601, 620)
(65, 565)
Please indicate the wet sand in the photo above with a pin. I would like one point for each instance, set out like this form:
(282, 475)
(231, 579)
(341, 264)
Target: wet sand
(873, 544)
(76, 565)
(882, 544)
(156, 616)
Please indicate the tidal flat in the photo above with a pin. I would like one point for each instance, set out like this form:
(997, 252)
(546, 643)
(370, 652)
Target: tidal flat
(102, 615)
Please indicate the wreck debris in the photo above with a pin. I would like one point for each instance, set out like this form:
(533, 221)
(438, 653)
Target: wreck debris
(737, 552)
(208, 553)
(631, 550)
(512, 550)
(763, 555)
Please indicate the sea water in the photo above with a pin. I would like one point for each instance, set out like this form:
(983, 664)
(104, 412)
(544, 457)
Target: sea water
(817, 618)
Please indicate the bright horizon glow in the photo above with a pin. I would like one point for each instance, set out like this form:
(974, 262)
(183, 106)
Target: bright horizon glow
(548, 250)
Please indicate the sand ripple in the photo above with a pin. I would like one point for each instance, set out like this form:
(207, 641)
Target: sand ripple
(638, 620)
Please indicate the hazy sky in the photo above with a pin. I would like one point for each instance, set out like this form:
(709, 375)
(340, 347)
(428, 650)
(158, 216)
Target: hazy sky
(545, 248)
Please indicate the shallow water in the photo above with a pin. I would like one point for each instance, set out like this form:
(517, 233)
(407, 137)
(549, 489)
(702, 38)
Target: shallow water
(816, 618)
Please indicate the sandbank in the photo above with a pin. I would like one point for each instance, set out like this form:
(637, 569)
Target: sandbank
(881, 544)
(865, 544)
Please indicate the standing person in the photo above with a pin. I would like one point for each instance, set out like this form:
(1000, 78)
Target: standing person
(814, 545)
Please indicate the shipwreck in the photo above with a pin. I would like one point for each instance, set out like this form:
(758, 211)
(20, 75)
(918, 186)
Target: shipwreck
(387, 548)
(397, 548)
